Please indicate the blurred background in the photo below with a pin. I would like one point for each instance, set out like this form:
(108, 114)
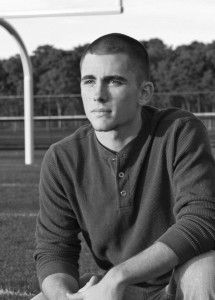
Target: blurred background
(179, 36)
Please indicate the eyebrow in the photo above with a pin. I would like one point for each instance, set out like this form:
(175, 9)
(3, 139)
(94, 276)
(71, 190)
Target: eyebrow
(106, 78)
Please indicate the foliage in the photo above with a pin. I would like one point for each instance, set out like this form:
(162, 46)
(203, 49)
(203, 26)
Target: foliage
(183, 77)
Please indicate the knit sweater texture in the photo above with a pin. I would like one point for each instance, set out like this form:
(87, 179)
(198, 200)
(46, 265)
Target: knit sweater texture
(159, 187)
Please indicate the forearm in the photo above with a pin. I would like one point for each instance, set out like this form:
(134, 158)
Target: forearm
(56, 286)
(147, 265)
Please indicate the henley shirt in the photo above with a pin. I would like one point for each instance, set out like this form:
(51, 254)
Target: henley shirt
(159, 187)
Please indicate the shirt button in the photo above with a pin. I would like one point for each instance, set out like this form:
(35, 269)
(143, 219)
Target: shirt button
(114, 159)
(123, 193)
(121, 175)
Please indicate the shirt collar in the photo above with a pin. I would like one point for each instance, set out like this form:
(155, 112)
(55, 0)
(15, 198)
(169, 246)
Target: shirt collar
(133, 145)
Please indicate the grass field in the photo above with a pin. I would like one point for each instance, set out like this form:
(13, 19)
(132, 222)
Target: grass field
(18, 210)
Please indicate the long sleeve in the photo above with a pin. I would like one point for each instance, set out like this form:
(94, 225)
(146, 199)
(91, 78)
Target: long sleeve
(194, 191)
(57, 243)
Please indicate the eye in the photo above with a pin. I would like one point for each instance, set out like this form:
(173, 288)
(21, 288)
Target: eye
(115, 82)
(88, 81)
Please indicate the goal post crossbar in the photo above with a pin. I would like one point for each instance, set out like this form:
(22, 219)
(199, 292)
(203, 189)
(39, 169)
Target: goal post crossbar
(60, 12)
(45, 118)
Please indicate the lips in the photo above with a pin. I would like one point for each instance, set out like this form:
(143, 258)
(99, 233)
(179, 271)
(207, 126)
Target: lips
(100, 110)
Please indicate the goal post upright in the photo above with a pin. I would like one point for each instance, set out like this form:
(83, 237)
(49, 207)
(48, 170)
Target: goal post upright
(28, 94)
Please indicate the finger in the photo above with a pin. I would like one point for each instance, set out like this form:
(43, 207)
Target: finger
(93, 280)
(77, 296)
(84, 288)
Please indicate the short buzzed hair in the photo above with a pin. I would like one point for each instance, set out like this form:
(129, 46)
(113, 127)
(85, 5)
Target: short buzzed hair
(119, 43)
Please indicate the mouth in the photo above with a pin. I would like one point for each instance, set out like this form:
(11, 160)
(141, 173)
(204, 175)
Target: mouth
(100, 110)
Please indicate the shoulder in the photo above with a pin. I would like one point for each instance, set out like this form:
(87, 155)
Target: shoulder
(174, 126)
(172, 118)
(73, 144)
(170, 114)
(78, 137)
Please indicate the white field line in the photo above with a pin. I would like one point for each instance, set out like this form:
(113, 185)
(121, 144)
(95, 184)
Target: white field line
(19, 215)
(19, 184)
(18, 165)
(13, 293)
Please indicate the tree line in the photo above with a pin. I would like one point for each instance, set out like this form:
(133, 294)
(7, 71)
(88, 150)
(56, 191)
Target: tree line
(183, 77)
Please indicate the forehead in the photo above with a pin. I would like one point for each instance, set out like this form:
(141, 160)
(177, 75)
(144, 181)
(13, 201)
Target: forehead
(109, 63)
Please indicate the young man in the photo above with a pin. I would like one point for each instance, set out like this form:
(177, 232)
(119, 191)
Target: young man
(138, 182)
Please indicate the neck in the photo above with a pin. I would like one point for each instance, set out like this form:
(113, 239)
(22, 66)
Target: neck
(117, 140)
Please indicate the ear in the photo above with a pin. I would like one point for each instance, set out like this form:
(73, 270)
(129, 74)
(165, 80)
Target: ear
(146, 92)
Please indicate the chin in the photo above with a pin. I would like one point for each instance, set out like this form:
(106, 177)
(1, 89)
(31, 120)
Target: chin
(102, 126)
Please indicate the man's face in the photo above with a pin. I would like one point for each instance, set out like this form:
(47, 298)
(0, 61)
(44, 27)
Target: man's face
(110, 91)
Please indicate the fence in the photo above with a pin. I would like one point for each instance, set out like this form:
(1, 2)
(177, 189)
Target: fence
(208, 118)
(56, 116)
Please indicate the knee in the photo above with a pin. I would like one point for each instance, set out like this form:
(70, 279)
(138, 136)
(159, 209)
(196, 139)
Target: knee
(199, 267)
(197, 273)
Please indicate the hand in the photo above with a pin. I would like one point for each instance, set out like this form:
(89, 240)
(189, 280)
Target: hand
(106, 289)
(93, 280)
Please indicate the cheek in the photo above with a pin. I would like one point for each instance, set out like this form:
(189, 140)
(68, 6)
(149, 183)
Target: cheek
(86, 106)
(87, 94)
(85, 99)
(128, 105)
(128, 99)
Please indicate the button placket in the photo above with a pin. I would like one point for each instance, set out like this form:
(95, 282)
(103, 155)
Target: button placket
(123, 183)
(112, 162)
(123, 193)
(121, 174)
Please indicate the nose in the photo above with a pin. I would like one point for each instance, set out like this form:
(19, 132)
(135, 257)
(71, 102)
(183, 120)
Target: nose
(100, 93)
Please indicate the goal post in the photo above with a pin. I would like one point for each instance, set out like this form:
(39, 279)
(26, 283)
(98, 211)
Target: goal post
(28, 93)
(49, 8)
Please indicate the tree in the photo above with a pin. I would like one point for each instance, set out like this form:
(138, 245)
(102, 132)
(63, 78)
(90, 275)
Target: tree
(189, 72)
(12, 84)
(3, 76)
(57, 73)
(14, 75)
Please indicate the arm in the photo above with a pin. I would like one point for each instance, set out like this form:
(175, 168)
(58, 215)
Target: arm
(56, 286)
(57, 242)
(193, 182)
(148, 264)
(153, 262)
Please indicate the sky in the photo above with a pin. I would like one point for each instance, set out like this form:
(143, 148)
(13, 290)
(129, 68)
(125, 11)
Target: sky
(176, 22)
